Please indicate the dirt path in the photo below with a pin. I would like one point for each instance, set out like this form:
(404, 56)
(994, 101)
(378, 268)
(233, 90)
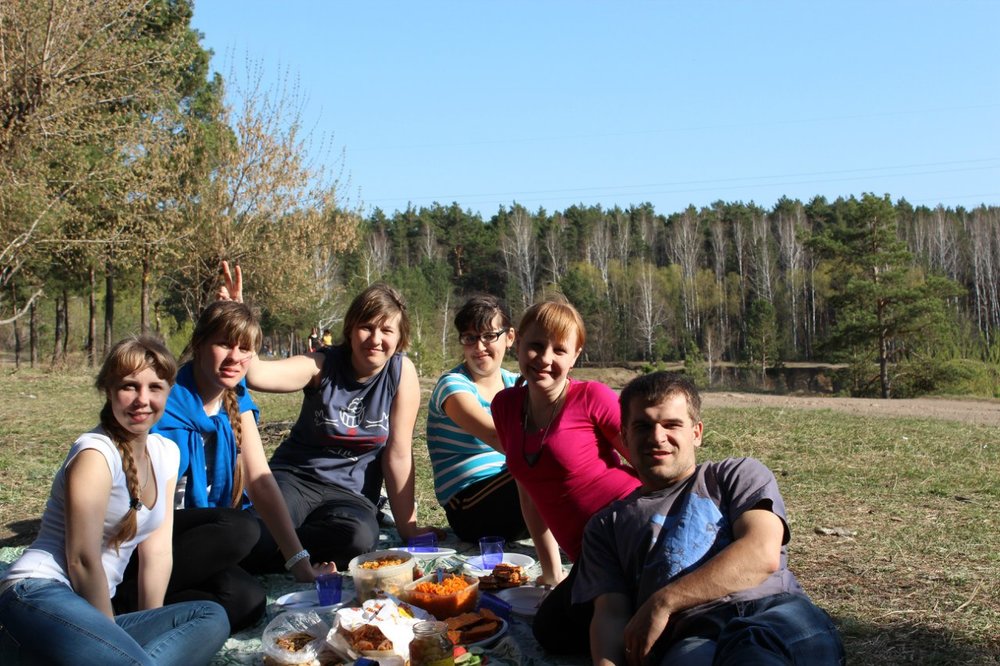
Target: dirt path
(981, 411)
(984, 412)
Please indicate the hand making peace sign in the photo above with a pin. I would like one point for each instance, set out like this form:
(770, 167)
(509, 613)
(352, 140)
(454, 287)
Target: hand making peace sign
(231, 288)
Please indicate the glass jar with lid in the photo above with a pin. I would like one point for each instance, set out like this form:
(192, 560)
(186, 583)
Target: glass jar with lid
(431, 646)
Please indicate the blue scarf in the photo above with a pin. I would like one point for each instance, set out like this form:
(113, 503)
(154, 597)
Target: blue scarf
(184, 421)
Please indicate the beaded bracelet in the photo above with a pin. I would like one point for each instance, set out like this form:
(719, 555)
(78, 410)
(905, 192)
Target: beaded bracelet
(295, 559)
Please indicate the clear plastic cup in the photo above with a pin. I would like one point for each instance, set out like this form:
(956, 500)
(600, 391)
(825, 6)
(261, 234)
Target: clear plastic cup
(491, 549)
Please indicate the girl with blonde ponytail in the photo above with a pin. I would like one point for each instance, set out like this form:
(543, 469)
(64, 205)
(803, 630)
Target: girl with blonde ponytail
(110, 500)
(222, 471)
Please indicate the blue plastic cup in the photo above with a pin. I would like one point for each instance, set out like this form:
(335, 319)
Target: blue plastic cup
(423, 543)
(329, 588)
(491, 549)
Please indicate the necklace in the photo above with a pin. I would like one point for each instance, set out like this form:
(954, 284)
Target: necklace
(532, 458)
(135, 502)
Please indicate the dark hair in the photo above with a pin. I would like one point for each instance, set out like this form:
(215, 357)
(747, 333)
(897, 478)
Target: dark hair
(656, 387)
(557, 317)
(236, 323)
(126, 357)
(376, 304)
(479, 312)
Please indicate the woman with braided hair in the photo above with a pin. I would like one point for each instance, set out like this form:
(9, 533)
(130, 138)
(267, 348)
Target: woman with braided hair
(223, 470)
(111, 498)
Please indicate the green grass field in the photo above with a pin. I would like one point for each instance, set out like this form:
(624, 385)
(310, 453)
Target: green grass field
(910, 575)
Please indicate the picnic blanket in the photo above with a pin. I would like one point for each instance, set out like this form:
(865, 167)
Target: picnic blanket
(517, 647)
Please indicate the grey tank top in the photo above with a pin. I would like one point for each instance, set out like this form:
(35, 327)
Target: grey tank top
(343, 426)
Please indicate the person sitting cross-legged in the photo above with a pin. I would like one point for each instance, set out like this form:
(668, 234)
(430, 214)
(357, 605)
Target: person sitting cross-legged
(691, 568)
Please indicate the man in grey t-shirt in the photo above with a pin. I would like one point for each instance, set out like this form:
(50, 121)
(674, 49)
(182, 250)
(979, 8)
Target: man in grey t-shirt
(692, 567)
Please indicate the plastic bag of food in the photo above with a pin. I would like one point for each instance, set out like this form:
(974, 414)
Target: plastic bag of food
(381, 629)
(294, 638)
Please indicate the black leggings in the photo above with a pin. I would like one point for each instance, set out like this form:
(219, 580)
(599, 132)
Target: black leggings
(208, 544)
(333, 524)
(560, 626)
(490, 507)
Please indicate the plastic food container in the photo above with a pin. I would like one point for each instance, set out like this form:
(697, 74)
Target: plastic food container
(388, 578)
(443, 606)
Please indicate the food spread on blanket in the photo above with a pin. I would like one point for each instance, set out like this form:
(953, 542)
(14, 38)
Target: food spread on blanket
(430, 645)
(368, 637)
(504, 575)
(382, 562)
(473, 627)
(465, 658)
(381, 571)
(445, 597)
(295, 641)
(381, 629)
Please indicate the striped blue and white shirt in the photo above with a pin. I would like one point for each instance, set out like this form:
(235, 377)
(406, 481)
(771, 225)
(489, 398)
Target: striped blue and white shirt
(458, 458)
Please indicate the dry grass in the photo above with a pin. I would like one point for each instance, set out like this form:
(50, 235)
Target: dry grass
(918, 580)
(915, 583)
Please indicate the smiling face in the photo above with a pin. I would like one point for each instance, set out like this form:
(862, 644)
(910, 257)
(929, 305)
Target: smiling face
(372, 345)
(483, 359)
(662, 439)
(137, 400)
(544, 361)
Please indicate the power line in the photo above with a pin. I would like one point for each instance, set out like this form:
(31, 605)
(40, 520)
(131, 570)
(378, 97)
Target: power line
(694, 186)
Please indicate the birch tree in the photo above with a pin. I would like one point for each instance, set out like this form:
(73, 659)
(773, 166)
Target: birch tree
(648, 308)
(762, 257)
(790, 226)
(599, 249)
(553, 243)
(685, 250)
(520, 253)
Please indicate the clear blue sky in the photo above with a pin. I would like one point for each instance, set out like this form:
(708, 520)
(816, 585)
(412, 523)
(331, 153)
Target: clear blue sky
(548, 104)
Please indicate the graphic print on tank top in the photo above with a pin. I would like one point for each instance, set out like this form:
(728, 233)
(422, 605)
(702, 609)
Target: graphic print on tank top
(350, 432)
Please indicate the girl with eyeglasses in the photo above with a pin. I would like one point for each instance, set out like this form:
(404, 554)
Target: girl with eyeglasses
(471, 481)
(562, 439)
(111, 497)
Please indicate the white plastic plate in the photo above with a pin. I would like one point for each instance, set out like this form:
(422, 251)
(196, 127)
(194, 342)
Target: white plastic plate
(304, 600)
(474, 563)
(422, 553)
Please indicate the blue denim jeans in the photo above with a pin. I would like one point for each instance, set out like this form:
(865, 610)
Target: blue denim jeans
(43, 621)
(779, 629)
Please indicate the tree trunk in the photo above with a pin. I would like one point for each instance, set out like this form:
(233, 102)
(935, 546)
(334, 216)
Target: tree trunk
(33, 333)
(17, 341)
(58, 331)
(883, 365)
(109, 306)
(65, 296)
(444, 326)
(92, 318)
(147, 269)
